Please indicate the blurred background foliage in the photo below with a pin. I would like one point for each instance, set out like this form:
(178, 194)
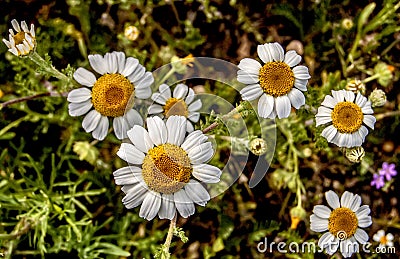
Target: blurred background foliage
(57, 195)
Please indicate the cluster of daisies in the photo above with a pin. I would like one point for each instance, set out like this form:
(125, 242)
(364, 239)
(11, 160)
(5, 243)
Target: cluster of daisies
(167, 158)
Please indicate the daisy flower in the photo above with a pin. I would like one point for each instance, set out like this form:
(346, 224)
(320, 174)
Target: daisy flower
(166, 169)
(343, 223)
(383, 239)
(111, 94)
(278, 83)
(180, 103)
(388, 171)
(347, 113)
(23, 41)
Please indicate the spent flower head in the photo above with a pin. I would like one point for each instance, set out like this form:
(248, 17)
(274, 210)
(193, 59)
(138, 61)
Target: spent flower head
(346, 114)
(166, 168)
(111, 94)
(388, 171)
(258, 146)
(131, 32)
(23, 41)
(342, 223)
(277, 84)
(355, 154)
(377, 98)
(355, 85)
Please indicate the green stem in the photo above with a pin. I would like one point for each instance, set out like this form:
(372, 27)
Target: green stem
(166, 76)
(369, 79)
(172, 226)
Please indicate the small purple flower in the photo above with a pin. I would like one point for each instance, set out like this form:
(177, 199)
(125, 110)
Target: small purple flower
(388, 170)
(378, 181)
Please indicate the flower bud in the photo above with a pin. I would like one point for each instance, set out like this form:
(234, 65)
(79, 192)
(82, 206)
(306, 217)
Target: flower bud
(355, 86)
(384, 73)
(377, 98)
(258, 146)
(355, 154)
(297, 214)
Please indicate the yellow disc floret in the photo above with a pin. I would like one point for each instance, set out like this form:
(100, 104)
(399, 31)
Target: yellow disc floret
(347, 117)
(276, 78)
(343, 222)
(175, 106)
(166, 168)
(111, 93)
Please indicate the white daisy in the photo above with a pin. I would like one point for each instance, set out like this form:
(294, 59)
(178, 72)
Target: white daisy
(383, 239)
(347, 113)
(278, 83)
(343, 223)
(166, 168)
(180, 103)
(110, 94)
(23, 41)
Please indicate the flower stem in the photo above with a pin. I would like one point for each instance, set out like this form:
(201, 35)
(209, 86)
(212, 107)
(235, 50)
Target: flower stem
(172, 226)
(22, 99)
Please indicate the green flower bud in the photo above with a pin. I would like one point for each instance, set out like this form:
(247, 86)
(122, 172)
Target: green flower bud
(384, 73)
(347, 24)
(377, 98)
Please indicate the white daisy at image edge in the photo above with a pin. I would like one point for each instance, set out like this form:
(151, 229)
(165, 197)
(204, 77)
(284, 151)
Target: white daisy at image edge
(111, 95)
(342, 223)
(278, 83)
(166, 168)
(182, 102)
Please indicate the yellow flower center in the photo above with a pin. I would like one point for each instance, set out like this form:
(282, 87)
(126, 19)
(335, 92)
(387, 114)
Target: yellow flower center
(110, 94)
(383, 240)
(19, 37)
(276, 78)
(166, 168)
(342, 223)
(347, 117)
(175, 106)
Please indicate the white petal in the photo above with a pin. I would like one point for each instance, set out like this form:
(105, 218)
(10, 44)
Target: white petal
(111, 61)
(329, 133)
(322, 211)
(190, 96)
(24, 27)
(333, 247)
(121, 127)
(389, 237)
(32, 30)
(155, 109)
(159, 98)
(157, 130)
(332, 199)
(197, 193)
(183, 203)
(98, 63)
(100, 132)
(78, 109)
(301, 84)
(133, 118)
(79, 95)
(176, 129)
(278, 53)
(127, 175)
(265, 105)
(201, 153)
(367, 109)
(167, 209)
(150, 206)
(250, 66)
(301, 72)
(324, 111)
(84, 77)
(120, 58)
(347, 248)
(15, 25)
(282, 106)
(134, 196)
(347, 199)
(361, 100)
(329, 101)
(140, 138)
(194, 139)
(363, 211)
(292, 58)
(325, 240)
(338, 95)
(364, 222)
(137, 74)
(143, 93)
(321, 120)
(363, 132)
(145, 81)
(180, 91)
(361, 236)
(318, 224)
(296, 98)
(189, 126)
(247, 78)
(195, 106)
(165, 91)
(130, 66)
(369, 120)
(195, 116)
(130, 154)
(264, 53)
(91, 121)
(207, 173)
(356, 203)
(251, 92)
(349, 96)
(8, 44)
